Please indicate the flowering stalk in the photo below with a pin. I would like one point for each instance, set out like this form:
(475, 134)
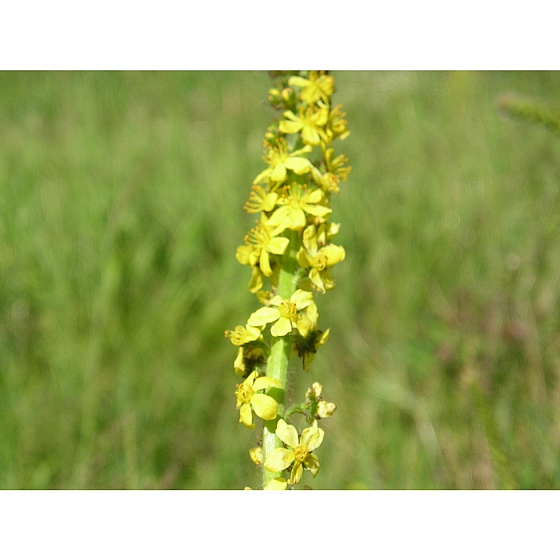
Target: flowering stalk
(290, 249)
(277, 365)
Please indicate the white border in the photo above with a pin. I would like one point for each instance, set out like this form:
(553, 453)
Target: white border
(256, 35)
(361, 524)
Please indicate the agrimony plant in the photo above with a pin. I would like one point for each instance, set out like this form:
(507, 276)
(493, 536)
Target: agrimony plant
(290, 251)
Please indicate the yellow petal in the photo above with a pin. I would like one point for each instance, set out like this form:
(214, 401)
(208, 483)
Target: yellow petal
(314, 197)
(322, 117)
(298, 165)
(264, 263)
(335, 254)
(277, 245)
(315, 277)
(263, 316)
(317, 175)
(256, 282)
(333, 229)
(302, 258)
(290, 115)
(265, 406)
(276, 300)
(269, 202)
(324, 337)
(312, 463)
(287, 433)
(310, 135)
(245, 416)
(265, 382)
(317, 210)
(251, 333)
(290, 127)
(304, 150)
(304, 325)
(297, 471)
(312, 313)
(279, 459)
(298, 81)
(239, 364)
(310, 240)
(291, 124)
(297, 219)
(279, 220)
(282, 327)
(312, 437)
(278, 174)
(243, 254)
(261, 176)
(302, 299)
(249, 381)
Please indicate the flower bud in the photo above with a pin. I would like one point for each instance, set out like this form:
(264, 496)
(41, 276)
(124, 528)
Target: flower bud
(290, 97)
(275, 97)
(325, 409)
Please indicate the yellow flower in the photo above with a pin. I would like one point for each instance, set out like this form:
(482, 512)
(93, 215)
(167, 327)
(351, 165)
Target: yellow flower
(318, 86)
(260, 200)
(294, 205)
(285, 315)
(241, 335)
(338, 165)
(327, 181)
(310, 122)
(279, 161)
(319, 259)
(337, 171)
(259, 242)
(298, 453)
(250, 400)
(336, 125)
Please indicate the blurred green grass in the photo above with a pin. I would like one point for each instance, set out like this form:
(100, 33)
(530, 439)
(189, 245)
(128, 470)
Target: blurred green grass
(121, 201)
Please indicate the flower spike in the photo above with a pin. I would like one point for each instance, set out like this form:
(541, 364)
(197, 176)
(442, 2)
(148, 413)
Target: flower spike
(291, 253)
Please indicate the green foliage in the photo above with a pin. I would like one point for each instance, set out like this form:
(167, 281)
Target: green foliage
(122, 199)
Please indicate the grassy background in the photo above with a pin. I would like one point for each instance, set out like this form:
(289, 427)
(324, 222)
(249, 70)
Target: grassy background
(121, 209)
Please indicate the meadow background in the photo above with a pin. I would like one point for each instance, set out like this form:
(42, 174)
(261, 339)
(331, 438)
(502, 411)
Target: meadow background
(121, 210)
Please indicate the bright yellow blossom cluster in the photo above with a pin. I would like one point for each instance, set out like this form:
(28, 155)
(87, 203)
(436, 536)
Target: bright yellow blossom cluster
(290, 248)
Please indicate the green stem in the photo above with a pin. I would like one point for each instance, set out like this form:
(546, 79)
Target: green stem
(278, 361)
